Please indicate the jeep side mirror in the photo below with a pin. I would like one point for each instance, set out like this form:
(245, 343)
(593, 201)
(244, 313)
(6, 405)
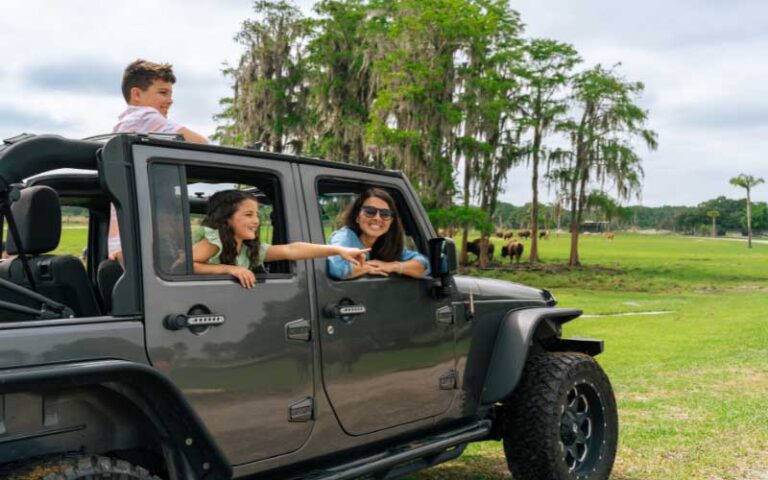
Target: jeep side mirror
(442, 261)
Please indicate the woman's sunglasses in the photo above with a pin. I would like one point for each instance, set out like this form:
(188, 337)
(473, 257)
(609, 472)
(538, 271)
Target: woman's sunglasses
(370, 212)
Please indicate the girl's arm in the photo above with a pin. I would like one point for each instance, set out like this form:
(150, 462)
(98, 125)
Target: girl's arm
(203, 250)
(303, 250)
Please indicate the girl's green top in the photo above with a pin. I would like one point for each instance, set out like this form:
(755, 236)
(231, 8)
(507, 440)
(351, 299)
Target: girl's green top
(212, 235)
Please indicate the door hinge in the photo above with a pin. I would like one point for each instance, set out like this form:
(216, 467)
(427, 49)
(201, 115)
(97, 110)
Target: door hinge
(299, 330)
(301, 411)
(449, 380)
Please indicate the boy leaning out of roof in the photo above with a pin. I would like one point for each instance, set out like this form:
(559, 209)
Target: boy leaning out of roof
(148, 90)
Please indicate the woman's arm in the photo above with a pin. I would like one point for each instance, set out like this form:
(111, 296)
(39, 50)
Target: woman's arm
(303, 250)
(203, 250)
(410, 268)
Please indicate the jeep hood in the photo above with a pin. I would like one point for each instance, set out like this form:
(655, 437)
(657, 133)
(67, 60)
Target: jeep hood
(483, 289)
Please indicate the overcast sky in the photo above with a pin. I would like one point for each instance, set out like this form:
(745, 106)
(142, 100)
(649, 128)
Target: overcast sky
(702, 63)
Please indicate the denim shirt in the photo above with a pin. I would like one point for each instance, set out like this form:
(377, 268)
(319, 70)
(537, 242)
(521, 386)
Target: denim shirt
(340, 269)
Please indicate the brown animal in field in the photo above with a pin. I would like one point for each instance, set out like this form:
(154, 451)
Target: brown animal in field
(524, 234)
(508, 234)
(513, 249)
(473, 247)
(544, 234)
(609, 235)
(499, 233)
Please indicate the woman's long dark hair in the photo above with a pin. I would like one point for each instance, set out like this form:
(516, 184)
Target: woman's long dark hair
(221, 206)
(389, 246)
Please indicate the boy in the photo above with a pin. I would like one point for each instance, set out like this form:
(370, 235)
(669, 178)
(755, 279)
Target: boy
(148, 90)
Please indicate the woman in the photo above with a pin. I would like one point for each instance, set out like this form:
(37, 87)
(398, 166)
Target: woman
(231, 245)
(372, 223)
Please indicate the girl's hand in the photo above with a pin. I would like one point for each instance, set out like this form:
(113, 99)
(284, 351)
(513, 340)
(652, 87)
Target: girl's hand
(355, 256)
(246, 277)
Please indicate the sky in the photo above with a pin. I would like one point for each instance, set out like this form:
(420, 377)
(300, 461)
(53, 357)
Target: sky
(701, 63)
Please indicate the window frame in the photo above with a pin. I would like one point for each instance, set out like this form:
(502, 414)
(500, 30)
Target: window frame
(279, 227)
(409, 220)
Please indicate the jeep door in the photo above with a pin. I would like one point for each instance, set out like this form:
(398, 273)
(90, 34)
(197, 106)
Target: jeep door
(250, 377)
(394, 363)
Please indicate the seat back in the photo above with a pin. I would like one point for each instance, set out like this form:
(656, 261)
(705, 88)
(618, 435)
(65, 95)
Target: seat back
(62, 278)
(107, 274)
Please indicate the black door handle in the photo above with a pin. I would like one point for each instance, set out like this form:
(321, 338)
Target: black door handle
(345, 310)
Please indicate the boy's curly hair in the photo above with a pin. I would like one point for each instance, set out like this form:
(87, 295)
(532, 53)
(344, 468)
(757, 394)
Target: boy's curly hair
(142, 73)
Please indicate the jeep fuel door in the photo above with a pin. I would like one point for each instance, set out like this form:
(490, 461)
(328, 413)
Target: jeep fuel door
(387, 345)
(225, 346)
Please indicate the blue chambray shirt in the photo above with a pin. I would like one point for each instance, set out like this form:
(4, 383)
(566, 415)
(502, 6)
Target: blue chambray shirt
(340, 269)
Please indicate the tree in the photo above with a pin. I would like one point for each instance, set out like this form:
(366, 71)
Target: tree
(465, 218)
(547, 70)
(713, 214)
(269, 104)
(339, 72)
(747, 182)
(601, 140)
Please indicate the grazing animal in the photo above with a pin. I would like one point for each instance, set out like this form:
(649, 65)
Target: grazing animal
(544, 234)
(508, 234)
(513, 249)
(499, 233)
(609, 235)
(473, 247)
(524, 234)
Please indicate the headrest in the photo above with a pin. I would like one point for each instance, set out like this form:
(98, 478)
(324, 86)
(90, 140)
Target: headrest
(38, 216)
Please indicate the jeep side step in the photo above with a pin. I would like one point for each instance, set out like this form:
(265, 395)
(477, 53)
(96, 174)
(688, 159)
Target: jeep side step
(406, 458)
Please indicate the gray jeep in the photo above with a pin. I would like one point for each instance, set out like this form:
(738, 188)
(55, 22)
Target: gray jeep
(148, 371)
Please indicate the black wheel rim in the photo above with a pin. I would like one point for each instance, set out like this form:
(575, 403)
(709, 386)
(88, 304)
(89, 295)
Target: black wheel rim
(582, 428)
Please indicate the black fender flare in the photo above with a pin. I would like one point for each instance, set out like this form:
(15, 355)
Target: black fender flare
(518, 331)
(194, 453)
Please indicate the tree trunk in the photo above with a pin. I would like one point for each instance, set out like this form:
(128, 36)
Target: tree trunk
(714, 227)
(749, 220)
(464, 240)
(534, 255)
(483, 245)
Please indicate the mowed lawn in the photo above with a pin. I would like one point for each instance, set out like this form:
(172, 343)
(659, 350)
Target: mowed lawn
(692, 383)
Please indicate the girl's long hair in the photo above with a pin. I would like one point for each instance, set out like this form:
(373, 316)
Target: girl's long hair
(389, 246)
(221, 206)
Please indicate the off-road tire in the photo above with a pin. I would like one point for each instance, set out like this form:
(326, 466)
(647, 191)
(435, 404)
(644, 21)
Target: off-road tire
(81, 468)
(561, 422)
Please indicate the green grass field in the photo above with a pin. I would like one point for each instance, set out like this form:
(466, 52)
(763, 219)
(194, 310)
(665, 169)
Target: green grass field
(691, 384)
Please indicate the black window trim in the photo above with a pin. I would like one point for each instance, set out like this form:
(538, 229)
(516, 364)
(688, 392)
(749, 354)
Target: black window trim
(421, 241)
(181, 164)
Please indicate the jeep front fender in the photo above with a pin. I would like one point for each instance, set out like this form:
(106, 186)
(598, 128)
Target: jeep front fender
(517, 333)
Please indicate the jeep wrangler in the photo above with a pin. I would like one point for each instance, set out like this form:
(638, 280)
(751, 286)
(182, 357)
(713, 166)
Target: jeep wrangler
(142, 369)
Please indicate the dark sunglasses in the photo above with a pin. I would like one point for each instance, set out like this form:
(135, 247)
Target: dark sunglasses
(370, 212)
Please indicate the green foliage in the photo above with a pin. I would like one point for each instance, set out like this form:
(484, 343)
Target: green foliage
(461, 217)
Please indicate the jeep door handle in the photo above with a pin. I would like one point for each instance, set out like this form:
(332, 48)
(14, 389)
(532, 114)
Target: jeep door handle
(181, 320)
(345, 310)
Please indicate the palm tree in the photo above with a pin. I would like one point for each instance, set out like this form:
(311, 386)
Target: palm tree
(713, 214)
(747, 182)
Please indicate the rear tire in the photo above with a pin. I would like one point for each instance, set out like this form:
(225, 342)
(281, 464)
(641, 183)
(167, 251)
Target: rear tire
(82, 468)
(561, 422)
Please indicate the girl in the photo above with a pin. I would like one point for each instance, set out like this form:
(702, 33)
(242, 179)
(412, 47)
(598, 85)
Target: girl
(231, 241)
(371, 223)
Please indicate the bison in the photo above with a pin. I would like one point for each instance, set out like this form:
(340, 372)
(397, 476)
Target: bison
(513, 249)
(474, 247)
(524, 234)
